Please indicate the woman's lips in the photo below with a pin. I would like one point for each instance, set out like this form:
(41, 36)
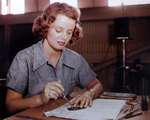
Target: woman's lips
(61, 43)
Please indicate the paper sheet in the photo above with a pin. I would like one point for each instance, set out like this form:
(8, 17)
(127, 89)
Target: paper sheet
(102, 109)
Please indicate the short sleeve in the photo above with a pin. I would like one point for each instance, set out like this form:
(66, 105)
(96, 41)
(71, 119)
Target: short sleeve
(85, 75)
(17, 75)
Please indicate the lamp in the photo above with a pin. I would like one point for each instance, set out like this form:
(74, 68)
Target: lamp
(122, 33)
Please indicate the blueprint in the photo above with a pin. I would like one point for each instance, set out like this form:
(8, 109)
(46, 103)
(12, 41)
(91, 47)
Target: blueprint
(102, 109)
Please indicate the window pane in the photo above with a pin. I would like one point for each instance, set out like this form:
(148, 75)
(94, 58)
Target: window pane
(114, 2)
(136, 2)
(17, 6)
(127, 2)
(4, 7)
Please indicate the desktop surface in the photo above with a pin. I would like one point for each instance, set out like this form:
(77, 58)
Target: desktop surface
(37, 113)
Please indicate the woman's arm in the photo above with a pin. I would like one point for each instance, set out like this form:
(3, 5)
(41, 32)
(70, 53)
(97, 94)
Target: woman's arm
(93, 90)
(15, 101)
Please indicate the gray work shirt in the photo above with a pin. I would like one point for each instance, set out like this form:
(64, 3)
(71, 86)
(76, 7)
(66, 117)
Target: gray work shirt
(31, 70)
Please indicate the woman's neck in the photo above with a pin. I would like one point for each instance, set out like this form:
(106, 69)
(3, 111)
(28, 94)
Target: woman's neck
(52, 54)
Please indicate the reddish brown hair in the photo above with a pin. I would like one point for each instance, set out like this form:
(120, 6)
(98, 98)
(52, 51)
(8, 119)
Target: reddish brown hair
(42, 23)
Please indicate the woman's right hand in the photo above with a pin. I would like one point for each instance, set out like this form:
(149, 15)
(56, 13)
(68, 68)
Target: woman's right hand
(52, 90)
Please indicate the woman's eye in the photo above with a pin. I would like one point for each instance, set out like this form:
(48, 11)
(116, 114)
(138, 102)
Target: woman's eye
(58, 31)
(69, 33)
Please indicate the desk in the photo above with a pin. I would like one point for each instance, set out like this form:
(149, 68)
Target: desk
(37, 113)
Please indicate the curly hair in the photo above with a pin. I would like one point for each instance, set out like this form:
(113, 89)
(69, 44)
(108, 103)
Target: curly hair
(42, 23)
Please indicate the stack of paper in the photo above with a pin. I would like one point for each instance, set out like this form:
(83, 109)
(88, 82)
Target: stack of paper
(115, 95)
(102, 109)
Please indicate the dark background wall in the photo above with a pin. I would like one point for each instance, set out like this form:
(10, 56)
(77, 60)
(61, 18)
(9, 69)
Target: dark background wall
(20, 37)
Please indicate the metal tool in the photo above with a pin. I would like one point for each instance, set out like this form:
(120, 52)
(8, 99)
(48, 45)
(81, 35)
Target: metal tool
(64, 96)
(130, 114)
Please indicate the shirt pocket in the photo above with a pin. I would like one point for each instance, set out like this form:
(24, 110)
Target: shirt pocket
(69, 80)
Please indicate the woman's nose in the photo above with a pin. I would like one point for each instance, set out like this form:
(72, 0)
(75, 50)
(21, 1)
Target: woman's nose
(64, 35)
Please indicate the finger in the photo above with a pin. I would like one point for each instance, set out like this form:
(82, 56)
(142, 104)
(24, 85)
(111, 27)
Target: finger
(59, 85)
(59, 88)
(55, 93)
(52, 96)
(91, 102)
(54, 86)
(73, 101)
(75, 98)
(77, 101)
(56, 90)
(50, 93)
(46, 92)
(82, 102)
(87, 102)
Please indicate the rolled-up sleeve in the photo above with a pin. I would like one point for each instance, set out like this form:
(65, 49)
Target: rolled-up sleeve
(17, 76)
(85, 73)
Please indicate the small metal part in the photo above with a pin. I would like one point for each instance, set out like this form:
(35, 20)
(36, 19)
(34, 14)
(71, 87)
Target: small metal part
(74, 108)
(64, 96)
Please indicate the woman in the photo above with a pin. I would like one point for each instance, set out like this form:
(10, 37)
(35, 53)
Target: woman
(48, 69)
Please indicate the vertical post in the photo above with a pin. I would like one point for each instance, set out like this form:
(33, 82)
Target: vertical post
(144, 94)
(124, 67)
(124, 64)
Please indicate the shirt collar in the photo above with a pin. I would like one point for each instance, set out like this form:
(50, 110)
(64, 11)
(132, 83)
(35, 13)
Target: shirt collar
(40, 58)
(67, 58)
(39, 55)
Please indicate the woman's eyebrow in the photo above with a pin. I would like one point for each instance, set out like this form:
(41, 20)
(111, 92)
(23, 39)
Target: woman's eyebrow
(70, 29)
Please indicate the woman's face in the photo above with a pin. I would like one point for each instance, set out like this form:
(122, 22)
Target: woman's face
(60, 32)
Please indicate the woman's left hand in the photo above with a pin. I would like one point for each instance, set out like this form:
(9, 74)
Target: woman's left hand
(83, 100)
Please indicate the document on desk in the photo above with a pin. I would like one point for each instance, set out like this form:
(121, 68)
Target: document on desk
(102, 109)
